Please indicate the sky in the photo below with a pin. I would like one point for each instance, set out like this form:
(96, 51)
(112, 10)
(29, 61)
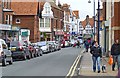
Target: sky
(83, 6)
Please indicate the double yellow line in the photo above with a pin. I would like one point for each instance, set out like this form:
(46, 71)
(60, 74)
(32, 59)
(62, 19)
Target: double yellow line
(73, 67)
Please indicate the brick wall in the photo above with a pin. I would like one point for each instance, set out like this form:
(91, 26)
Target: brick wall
(0, 11)
(31, 23)
(116, 20)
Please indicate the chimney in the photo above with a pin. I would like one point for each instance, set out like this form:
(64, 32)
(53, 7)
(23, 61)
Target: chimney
(87, 19)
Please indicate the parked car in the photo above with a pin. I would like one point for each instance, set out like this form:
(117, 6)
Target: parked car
(57, 45)
(72, 42)
(67, 44)
(19, 50)
(5, 54)
(38, 50)
(52, 46)
(31, 48)
(44, 46)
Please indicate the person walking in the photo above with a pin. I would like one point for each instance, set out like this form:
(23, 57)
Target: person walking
(78, 43)
(86, 45)
(96, 56)
(115, 52)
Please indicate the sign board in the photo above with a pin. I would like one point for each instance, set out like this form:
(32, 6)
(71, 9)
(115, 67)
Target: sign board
(5, 27)
(107, 23)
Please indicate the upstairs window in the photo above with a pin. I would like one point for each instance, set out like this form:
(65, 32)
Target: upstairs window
(17, 20)
(7, 19)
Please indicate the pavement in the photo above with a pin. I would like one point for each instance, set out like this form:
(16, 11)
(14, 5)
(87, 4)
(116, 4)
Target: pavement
(86, 68)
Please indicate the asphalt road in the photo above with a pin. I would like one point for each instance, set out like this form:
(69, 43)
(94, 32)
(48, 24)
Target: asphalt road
(52, 64)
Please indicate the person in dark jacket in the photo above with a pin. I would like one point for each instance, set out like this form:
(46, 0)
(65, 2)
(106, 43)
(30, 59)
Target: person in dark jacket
(96, 56)
(115, 52)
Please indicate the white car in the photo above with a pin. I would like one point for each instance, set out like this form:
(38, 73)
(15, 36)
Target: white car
(5, 54)
(44, 46)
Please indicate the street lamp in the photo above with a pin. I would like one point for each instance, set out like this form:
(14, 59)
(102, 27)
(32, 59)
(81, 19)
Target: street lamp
(98, 20)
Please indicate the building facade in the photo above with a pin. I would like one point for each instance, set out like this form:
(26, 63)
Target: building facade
(51, 22)
(26, 17)
(111, 14)
(0, 12)
(86, 28)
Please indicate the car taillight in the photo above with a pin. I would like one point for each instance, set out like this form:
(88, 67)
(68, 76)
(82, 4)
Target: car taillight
(21, 48)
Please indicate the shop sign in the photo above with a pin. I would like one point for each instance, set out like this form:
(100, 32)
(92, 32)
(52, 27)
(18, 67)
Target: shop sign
(15, 28)
(59, 33)
(5, 27)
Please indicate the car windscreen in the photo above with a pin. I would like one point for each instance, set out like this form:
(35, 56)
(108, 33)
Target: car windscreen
(14, 44)
(41, 43)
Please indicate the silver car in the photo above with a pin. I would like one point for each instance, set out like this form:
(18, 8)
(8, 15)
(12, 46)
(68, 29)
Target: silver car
(5, 54)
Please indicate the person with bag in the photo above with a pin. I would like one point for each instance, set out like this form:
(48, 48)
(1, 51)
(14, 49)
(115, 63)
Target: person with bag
(115, 52)
(96, 56)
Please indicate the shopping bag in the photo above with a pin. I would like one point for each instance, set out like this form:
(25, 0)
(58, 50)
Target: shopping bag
(110, 61)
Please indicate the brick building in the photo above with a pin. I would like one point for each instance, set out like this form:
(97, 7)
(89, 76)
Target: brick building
(115, 21)
(26, 17)
(43, 23)
(111, 14)
(0, 11)
(51, 22)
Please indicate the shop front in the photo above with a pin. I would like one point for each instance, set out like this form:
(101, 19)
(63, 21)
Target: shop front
(5, 32)
(66, 37)
(59, 35)
(15, 33)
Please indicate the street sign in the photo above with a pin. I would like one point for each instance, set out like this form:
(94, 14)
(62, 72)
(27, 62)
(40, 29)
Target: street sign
(107, 23)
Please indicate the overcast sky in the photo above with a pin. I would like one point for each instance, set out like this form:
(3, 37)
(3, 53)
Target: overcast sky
(83, 6)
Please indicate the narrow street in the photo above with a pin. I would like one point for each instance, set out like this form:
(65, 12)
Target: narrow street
(51, 64)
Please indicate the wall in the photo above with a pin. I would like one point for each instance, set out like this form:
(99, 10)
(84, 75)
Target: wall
(30, 22)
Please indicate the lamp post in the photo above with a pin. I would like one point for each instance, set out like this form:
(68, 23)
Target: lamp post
(98, 20)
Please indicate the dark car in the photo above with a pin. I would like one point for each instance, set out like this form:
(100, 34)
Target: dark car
(19, 50)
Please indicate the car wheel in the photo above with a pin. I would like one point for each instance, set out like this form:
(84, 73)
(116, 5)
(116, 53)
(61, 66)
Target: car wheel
(11, 61)
(24, 58)
(4, 62)
(29, 57)
(41, 53)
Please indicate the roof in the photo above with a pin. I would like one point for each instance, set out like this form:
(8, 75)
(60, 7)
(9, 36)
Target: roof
(24, 8)
(76, 12)
(91, 22)
(54, 5)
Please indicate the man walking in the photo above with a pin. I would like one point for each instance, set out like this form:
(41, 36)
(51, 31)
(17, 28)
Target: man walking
(115, 52)
(96, 56)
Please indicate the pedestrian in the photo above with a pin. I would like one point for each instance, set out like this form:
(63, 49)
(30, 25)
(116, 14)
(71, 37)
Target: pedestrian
(86, 45)
(96, 56)
(119, 73)
(78, 43)
(115, 52)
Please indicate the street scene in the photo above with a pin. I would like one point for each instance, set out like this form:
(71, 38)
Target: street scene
(60, 38)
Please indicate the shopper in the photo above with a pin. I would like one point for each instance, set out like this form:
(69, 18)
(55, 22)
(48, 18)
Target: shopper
(96, 56)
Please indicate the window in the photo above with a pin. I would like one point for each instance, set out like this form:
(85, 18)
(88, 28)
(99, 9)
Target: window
(17, 20)
(41, 22)
(47, 10)
(47, 22)
(7, 19)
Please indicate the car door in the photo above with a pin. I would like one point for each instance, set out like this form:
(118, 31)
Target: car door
(6, 51)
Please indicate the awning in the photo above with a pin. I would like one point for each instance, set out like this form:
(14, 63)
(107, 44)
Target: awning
(87, 36)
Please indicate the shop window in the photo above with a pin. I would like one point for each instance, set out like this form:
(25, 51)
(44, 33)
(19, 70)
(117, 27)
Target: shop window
(17, 20)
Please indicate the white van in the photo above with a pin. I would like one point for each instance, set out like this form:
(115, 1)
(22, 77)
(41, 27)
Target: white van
(5, 54)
